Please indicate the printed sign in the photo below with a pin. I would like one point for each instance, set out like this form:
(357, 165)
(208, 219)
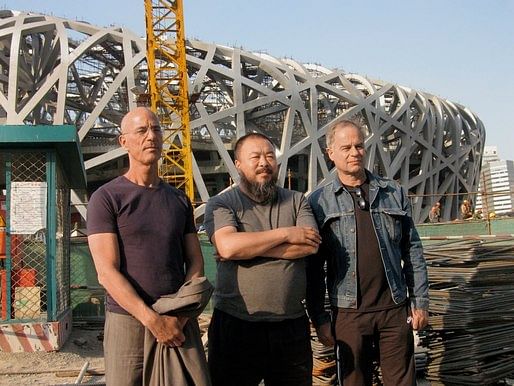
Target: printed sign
(28, 207)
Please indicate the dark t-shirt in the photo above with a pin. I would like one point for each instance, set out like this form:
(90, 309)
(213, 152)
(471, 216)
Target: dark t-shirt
(150, 224)
(259, 289)
(373, 293)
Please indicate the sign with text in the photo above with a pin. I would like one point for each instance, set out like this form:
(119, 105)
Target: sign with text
(28, 207)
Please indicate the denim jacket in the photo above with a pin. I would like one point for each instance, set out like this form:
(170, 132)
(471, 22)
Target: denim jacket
(398, 240)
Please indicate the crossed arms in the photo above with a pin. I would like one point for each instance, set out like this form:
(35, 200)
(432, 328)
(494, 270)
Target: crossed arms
(281, 243)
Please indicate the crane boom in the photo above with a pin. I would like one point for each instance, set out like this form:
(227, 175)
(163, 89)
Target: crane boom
(168, 89)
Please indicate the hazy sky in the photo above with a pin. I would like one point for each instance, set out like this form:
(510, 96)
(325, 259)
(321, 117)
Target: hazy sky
(461, 50)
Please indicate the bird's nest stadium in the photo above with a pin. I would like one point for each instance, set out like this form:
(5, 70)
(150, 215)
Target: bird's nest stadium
(59, 71)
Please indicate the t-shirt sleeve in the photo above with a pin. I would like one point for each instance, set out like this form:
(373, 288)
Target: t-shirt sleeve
(305, 217)
(190, 220)
(218, 214)
(101, 217)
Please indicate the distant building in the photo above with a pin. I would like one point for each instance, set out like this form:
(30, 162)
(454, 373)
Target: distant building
(490, 154)
(496, 184)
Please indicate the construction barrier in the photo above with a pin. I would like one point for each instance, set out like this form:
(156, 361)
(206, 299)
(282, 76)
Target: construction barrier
(30, 337)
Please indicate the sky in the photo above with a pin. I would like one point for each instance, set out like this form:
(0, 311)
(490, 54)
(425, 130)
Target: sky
(461, 50)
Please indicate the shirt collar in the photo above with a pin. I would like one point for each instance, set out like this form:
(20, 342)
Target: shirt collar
(374, 181)
(338, 185)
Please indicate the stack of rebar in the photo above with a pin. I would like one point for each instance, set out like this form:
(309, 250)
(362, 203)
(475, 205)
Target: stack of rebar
(471, 335)
(324, 364)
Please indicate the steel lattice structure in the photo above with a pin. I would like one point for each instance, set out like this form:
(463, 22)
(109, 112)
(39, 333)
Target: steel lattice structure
(168, 89)
(61, 71)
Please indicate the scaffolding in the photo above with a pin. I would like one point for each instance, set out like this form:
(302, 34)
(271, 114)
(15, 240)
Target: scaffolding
(168, 88)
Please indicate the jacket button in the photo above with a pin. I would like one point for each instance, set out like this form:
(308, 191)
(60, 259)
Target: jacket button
(353, 273)
(352, 230)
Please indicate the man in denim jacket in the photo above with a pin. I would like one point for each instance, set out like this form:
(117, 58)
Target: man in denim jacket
(376, 273)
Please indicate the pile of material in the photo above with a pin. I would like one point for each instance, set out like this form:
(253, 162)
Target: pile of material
(324, 363)
(471, 339)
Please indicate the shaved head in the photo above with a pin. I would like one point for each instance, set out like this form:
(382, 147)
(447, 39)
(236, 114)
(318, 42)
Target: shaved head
(135, 113)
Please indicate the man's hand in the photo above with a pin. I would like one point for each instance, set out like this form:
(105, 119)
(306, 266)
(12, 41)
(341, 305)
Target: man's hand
(325, 336)
(303, 235)
(419, 319)
(168, 329)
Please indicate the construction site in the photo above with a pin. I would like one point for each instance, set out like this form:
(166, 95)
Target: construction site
(67, 84)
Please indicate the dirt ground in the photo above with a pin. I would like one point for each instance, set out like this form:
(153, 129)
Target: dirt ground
(42, 368)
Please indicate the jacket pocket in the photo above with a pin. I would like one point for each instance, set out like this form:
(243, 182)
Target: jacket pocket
(393, 220)
(331, 231)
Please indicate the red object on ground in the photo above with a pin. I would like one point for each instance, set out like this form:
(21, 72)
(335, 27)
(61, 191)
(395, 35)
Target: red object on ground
(3, 281)
(24, 277)
(2, 243)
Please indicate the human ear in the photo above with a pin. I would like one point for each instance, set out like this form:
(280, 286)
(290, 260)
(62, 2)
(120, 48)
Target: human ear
(122, 141)
(330, 153)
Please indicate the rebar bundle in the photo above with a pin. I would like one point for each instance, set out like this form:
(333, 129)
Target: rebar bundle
(471, 335)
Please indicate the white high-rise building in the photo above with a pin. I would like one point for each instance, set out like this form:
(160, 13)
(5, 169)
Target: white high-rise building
(490, 154)
(496, 183)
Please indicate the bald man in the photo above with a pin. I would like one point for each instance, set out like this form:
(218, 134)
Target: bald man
(144, 245)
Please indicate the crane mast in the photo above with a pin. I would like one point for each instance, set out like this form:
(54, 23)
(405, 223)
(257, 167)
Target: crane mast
(168, 89)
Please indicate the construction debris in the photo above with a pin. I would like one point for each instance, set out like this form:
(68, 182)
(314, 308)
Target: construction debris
(471, 335)
(324, 363)
(83, 371)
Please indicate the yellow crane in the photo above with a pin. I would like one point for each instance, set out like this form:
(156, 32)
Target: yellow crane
(168, 89)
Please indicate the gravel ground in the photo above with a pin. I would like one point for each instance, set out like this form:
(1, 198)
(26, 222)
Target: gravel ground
(40, 368)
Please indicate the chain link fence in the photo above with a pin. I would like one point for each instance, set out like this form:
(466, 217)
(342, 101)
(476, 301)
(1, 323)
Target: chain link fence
(34, 268)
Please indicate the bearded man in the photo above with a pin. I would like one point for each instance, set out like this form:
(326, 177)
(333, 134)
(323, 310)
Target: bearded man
(262, 232)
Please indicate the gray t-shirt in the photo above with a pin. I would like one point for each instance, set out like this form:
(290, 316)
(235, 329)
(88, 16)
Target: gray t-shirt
(260, 289)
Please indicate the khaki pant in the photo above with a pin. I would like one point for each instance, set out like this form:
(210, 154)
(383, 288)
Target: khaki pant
(123, 350)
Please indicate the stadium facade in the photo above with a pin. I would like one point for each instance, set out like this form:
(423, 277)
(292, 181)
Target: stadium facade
(59, 71)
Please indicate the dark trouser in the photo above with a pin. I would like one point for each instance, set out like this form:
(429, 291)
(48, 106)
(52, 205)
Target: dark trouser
(360, 335)
(124, 338)
(243, 353)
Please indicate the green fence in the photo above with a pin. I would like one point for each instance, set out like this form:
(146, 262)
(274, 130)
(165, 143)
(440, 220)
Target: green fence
(497, 226)
(87, 296)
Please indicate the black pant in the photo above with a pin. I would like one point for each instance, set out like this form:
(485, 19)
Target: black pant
(243, 353)
(384, 335)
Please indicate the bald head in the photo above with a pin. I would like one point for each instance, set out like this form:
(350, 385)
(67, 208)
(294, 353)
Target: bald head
(141, 137)
(135, 115)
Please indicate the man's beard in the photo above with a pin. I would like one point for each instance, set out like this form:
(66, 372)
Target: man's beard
(260, 191)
